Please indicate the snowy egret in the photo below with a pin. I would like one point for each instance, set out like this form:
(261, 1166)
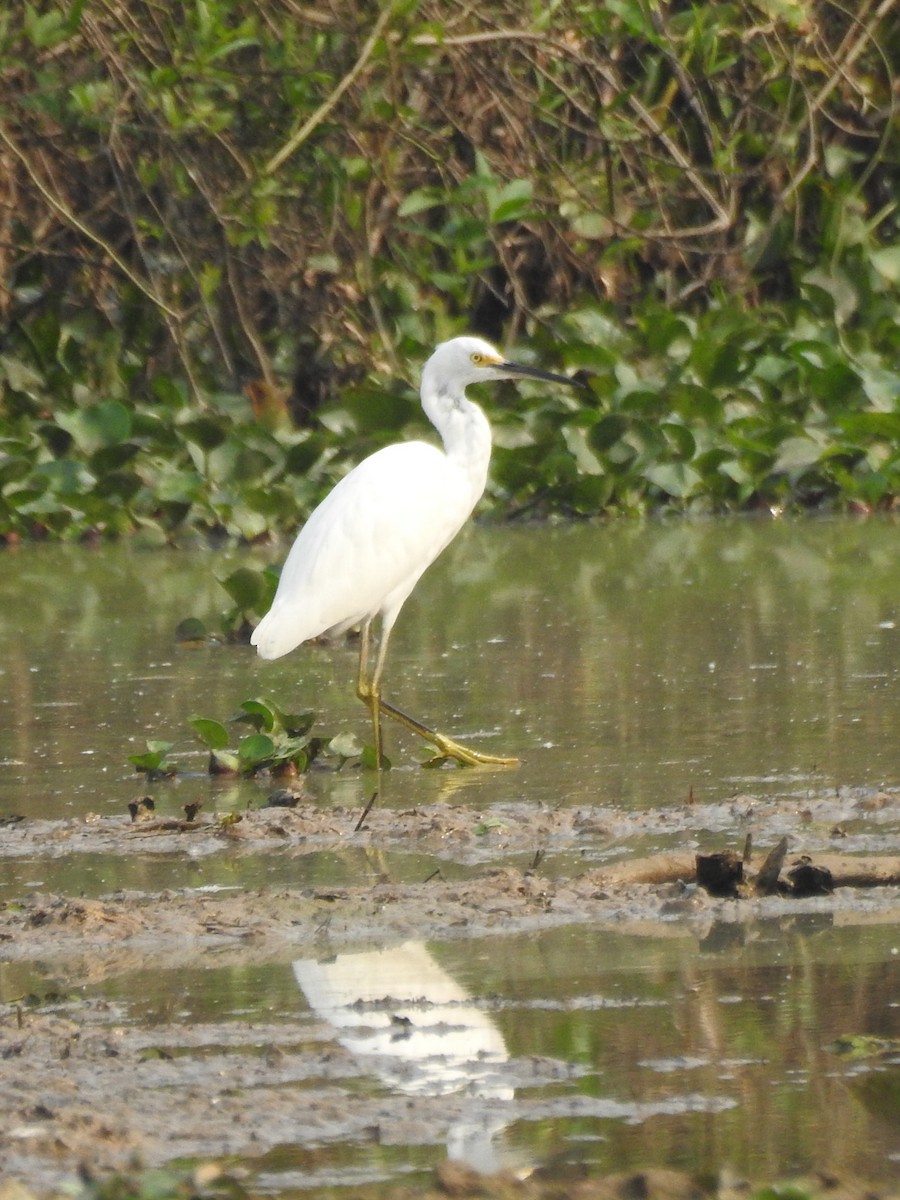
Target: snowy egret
(364, 548)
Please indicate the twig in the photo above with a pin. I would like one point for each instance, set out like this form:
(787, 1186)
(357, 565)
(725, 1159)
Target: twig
(296, 140)
(70, 218)
(365, 812)
(489, 35)
(852, 54)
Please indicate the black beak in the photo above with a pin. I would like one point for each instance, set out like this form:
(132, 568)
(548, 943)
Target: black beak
(537, 373)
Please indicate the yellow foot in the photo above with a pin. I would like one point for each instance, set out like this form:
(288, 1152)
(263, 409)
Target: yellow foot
(470, 758)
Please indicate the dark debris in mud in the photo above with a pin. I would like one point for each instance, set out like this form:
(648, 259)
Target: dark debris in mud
(604, 883)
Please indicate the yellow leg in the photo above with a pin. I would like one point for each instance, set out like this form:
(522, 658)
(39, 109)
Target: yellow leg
(369, 691)
(366, 692)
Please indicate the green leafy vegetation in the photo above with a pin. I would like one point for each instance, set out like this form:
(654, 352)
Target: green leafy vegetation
(155, 761)
(251, 592)
(278, 743)
(230, 236)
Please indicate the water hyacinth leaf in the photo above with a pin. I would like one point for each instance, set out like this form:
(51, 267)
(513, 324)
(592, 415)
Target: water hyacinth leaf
(258, 714)
(295, 725)
(144, 762)
(205, 432)
(607, 431)
(882, 387)
(65, 477)
(738, 472)
(831, 292)
(712, 460)
(886, 262)
(695, 403)
(302, 455)
(154, 756)
(297, 758)
(591, 493)
(676, 479)
(13, 467)
(191, 629)
(249, 589)
(223, 762)
(294, 750)
(96, 426)
(647, 438)
(368, 762)
(645, 402)
(770, 368)
(665, 331)
(717, 363)
(255, 750)
(797, 454)
(586, 460)
(213, 734)
(376, 410)
(813, 353)
(837, 387)
(345, 745)
(681, 439)
(121, 485)
(865, 425)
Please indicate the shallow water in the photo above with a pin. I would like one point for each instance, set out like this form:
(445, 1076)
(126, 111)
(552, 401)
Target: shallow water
(576, 1050)
(629, 666)
(625, 664)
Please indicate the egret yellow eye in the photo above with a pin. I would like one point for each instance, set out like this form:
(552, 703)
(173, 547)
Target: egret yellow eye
(478, 359)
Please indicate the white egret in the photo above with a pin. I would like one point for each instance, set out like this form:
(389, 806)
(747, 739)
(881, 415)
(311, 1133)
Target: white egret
(364, 548)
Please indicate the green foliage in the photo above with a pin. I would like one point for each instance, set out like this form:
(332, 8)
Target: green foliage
(725, 410)
(280, 742)
(155, 762)
(252, 592)
(227, 233)
(864, 1045)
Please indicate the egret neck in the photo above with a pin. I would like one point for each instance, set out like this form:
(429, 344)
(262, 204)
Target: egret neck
(464, 430)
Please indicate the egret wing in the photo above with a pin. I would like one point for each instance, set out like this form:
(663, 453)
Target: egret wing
(364, 548)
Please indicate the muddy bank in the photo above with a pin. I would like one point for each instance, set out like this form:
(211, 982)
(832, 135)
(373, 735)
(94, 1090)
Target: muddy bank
(573, 866)
(84, 1085)
(853, 822)
(93, 938)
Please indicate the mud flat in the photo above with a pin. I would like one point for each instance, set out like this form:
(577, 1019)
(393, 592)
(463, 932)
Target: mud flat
(86, 1088)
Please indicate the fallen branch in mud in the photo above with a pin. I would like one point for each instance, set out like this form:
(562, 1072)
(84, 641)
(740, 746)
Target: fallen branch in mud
(842, 870)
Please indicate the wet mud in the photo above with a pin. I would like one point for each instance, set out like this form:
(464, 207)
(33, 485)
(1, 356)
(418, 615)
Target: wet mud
(85, 1088)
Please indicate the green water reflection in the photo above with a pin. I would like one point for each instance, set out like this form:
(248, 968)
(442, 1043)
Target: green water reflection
(93, 875)
(605, 1051)
(625, 664)
(746, 1016)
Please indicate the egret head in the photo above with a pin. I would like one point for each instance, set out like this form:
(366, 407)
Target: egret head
(464, 360)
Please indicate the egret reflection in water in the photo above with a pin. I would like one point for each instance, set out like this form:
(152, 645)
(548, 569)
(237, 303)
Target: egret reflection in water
(407, 1020)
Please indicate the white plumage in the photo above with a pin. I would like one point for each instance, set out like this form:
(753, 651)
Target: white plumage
(364, 548)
